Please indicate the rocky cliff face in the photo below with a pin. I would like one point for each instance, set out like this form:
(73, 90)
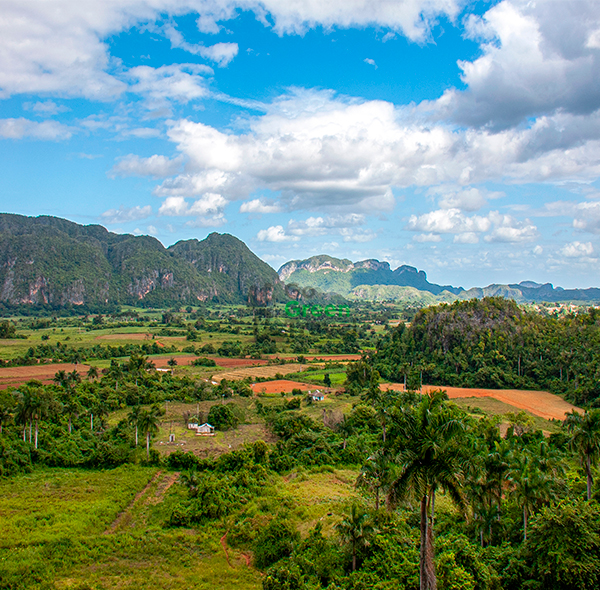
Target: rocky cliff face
(51, 261)
(342, 276)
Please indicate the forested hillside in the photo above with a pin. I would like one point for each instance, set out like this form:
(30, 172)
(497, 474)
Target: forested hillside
(494, 343)
(54, 262)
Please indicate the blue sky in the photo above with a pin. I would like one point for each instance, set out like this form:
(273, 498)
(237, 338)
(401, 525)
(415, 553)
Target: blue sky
(459, 137)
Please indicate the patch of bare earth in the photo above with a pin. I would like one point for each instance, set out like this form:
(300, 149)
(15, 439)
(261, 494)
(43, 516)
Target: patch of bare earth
(281, 385)
(266, 372)
(124, 336)
(540, 403)
(45, 373)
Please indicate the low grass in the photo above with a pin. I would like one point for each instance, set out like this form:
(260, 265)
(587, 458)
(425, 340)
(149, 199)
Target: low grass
(319, 496)
(57, 535)
(51, 504)
(493, 407)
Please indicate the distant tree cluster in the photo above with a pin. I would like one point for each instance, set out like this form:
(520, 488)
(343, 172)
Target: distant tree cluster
(494, 343)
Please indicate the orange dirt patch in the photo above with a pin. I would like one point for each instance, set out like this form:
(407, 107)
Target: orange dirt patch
(333, 357)
(163, 361)
(540, 403)
(268, 372)
(124, 336)
(323, 357)
(279, 386)
(45, 373)
(229, 362)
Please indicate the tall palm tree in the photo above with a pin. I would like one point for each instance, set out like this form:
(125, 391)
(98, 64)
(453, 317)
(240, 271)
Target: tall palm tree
(74, 377)
(531, 485)
(356, 530)
(71, 407)
(430, 456)
(23, 411)
(585, 440)
(345, 428)
(7, 407)
(4, 416)
(149, 421)
(133, 418)
(191, 480)
(92, 373)
(376, 474)
(116, 372)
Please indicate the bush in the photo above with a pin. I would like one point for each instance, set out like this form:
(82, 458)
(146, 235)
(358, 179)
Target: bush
(222, 417)
(204, 362)
(563, 546)
(275, 542)
(15, 456)
(181, 460)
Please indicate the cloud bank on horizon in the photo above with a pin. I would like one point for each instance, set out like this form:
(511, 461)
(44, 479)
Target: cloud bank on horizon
(461, 138)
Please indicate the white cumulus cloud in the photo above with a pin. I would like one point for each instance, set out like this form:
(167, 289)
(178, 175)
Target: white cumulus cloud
(155, 166)
(448, 221)
(125, 214)
(58, 46)
(275, 233)
(260, 206)
(25, 128)
(578, 250)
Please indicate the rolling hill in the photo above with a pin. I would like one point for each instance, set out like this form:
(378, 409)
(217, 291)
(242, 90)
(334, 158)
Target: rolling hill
(50, 261)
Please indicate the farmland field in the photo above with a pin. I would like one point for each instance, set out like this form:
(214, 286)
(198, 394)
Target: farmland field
(540, 403)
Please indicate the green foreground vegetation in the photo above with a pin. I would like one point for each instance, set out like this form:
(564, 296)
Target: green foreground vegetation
(366, 489)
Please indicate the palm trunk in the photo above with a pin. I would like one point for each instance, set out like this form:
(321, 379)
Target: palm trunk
(148, 445)
(36, 433)
(136, 435)
(429, 562)
(30, 427)
(423, 549)
(25, 433)
(588, 470)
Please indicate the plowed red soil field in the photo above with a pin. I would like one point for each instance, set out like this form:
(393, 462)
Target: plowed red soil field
(280, 385)
(228, 363)
(45, 373)
(541, 403)
(324, 357)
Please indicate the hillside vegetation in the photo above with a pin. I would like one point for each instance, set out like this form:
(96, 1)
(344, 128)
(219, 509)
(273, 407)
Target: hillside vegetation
(494, 343)
(54, 262)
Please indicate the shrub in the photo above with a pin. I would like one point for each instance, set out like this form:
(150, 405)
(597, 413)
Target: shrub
(222, 417)
(275, 542)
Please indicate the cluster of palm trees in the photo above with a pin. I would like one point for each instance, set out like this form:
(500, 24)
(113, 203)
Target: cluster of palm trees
(33, 401)
(146, 421)
(432, 446)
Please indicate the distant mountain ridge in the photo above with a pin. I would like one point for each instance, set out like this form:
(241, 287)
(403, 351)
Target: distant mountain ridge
(51, 261)
(374, 280)
(342, 275)
(48, 260)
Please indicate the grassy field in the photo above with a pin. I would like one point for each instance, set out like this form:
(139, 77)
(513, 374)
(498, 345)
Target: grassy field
(493, 407)
(99, 530)
(79, 529)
